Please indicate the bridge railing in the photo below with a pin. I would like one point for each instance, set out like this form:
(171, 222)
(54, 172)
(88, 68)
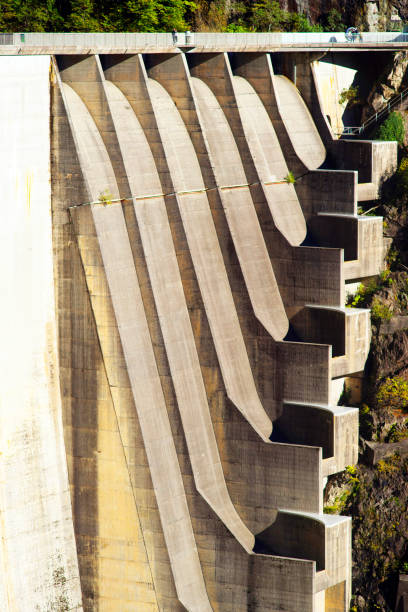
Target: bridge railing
(198, 39)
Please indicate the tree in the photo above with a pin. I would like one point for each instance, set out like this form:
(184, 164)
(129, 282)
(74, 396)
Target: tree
(333, 21)
(29, 16)
(267, 16)
(81, 18)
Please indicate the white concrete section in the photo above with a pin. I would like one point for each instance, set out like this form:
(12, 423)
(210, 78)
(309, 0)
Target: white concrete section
(240, 213)
(38, 563)
(319, 603)
(140, 360)
(175, 322)
(336, 390)
(208, 262)
(331, 80)
(299, 123)
(269, 162)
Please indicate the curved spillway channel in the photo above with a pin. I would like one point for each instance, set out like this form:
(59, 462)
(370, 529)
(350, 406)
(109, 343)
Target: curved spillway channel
(299, 123)
(174, 319)
(140, 360)
(208, 261)
(241, 215)
(270, 163)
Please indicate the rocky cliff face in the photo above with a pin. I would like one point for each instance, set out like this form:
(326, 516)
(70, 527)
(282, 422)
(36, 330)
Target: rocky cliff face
(375, 493)
(371, 15)
(392, 81)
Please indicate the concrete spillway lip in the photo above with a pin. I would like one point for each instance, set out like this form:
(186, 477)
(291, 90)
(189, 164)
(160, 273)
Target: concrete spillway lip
(269, 162)
(160, 256)
(299, 123)
(208, 261)
(240, 213)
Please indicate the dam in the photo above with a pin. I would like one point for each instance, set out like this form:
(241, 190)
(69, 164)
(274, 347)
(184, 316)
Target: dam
(178, 233)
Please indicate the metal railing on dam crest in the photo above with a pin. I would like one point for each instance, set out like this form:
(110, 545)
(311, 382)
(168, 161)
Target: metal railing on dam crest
(222, 40)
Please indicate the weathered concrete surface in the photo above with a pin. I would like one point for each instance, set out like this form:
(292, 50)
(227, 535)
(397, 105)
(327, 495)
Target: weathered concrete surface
(210, 270)
(144, 378)
(165, 321)
(109, 264)
(172, 310)
(374, 160)
(241, 215)
(347, 330)
(38, 559)
(331, 191)
(299, 124)
(270, 163)
(256, 500)
(335, 428)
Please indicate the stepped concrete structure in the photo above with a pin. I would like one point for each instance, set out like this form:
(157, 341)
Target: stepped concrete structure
(175, 337)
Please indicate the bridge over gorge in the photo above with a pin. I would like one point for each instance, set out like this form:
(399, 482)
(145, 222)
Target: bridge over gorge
(178, 230)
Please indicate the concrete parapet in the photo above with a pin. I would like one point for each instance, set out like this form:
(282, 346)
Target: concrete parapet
(313, 536)
(334, 428)
(371, 250)
(374, 160)
(330, 191)
(361, 238)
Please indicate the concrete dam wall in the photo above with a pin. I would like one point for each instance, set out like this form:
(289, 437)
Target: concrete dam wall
(176, 332)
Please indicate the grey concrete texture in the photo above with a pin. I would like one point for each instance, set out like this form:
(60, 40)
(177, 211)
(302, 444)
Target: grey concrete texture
(189, 294)
(241, 215)
(334, 428)
(91, 425)
(270, 163)
(174, 319)
(275, 488)
(140, 362)
(83, 132)
(299, 123)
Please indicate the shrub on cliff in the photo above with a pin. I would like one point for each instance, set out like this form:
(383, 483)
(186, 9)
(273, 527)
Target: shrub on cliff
(267, 15)
(333, 21)
(393, 393)
(392, 129)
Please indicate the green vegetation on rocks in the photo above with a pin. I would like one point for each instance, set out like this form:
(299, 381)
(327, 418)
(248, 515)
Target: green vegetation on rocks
(349, 96)
(392, 129)
(156, 16)
(378, 502)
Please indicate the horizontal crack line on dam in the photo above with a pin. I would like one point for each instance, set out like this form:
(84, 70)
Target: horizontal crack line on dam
(108, 201)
